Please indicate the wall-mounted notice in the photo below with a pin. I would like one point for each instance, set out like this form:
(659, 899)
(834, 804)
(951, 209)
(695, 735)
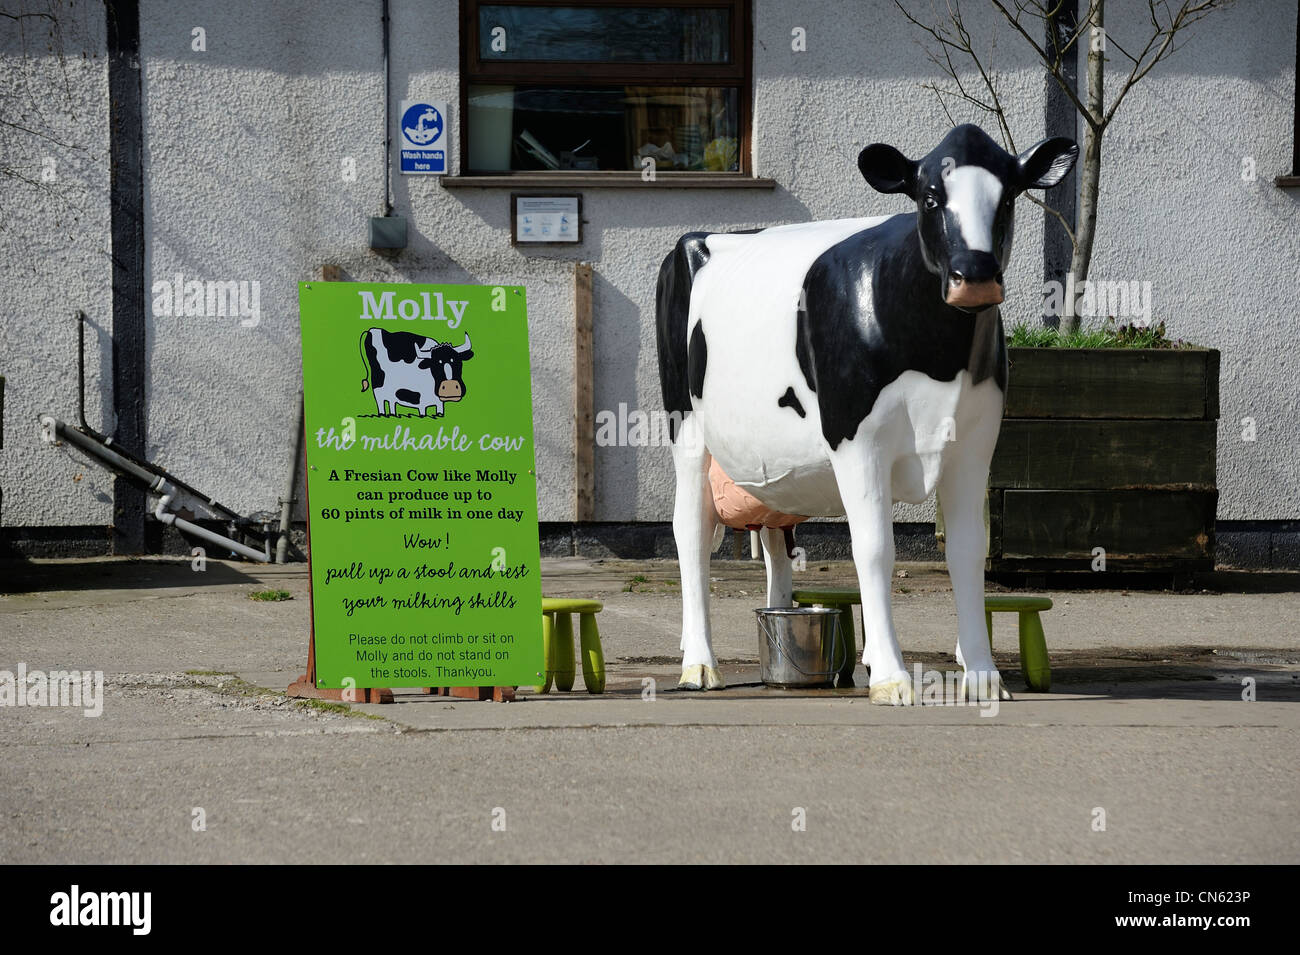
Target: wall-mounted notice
(545, 219)
(421, 488)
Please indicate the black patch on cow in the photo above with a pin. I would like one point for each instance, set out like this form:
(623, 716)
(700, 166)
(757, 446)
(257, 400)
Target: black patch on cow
(372, 360)
(850, 347)
(401, 346)
(672, 310)
(697, 360)
(408, 396)
(672, 307)
(788, 400)
(802, 352)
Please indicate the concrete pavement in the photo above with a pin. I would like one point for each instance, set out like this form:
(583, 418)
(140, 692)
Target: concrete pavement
(1145, 730)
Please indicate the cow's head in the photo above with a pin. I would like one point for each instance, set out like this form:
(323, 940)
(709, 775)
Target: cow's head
(965, 193)
(445, 364)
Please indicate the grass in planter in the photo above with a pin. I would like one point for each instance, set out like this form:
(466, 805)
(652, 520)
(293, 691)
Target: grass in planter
(1108, 335)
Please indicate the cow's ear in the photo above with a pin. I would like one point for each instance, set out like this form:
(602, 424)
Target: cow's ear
(465, 355)
(1045, 164)
(887, 170)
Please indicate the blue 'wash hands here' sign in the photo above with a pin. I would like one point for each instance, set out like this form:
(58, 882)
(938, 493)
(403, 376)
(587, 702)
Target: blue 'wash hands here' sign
(423, 138)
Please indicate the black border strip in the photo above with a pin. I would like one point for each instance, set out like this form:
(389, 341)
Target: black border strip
(126, 197)
(1060, 119)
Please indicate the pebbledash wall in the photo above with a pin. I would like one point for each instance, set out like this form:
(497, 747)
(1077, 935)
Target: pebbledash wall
(246, 149)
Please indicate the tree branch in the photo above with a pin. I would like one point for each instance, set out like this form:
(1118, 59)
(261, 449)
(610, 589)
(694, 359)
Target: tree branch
(38, 133)
(1053, 67)
(1187, 14)
(1059, 217)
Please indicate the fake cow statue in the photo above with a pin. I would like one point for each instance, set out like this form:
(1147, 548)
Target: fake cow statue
(831, 368)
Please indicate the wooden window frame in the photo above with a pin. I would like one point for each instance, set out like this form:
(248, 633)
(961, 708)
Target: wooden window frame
(738, 73)
(1293, 179)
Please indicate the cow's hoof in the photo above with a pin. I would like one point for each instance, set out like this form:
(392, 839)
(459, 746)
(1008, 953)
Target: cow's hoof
(701, 677)
(982, 686)
(896, 691)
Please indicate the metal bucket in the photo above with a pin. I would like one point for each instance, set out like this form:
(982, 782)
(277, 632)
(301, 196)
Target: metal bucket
(800, 646)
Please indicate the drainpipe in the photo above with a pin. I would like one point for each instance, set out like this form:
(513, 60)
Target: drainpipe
(189, 527)
(81, 378)
(53, 428)
(290, 490)
(388, 124)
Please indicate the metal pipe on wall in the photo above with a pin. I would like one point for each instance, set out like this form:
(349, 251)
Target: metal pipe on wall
(149, 482)
(388, 125)
(189, 527)
(54, 426)
(290, 489)
(81, 378)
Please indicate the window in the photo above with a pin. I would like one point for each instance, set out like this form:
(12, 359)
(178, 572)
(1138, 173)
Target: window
(1294, 178)
(581, 86)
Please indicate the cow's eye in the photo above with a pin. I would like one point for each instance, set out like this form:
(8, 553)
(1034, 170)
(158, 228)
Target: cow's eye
(931, 202)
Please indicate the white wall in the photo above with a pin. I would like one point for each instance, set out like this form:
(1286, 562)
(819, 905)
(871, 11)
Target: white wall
(244, 146)
(54, 243)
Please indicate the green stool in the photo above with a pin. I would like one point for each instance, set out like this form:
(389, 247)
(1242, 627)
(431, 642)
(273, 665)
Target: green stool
(557, 644)
(1034, 662)
(844, 600)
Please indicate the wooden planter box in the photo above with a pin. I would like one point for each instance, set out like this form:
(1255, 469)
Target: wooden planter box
(1106, 447)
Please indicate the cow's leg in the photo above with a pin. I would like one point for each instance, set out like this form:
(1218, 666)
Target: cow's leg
(694, 519)
(780, 579)
(962, 486)
(864, 482)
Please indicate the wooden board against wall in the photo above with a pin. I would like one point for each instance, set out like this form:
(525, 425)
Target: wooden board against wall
(584, 415)
(1127, 524)
(1095, 454)
(1113, 383)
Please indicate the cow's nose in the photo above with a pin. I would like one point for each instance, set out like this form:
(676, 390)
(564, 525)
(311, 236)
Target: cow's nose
(957, 278)
(969, 266)
(974, 280)
(965, 293)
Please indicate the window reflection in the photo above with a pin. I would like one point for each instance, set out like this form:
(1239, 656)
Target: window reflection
(517, 127)
(604, 34)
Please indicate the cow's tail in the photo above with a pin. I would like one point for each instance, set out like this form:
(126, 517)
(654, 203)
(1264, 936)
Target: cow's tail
(365, 382)
(719, 532)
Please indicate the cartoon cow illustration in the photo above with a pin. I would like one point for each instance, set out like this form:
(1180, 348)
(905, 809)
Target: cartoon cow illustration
(412, 371)
(832, 368)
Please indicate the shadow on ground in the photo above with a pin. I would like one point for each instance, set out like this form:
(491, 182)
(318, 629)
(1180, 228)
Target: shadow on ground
(126, 573)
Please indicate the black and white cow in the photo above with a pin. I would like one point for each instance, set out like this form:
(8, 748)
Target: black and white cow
(831, 368)
(412, 371)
